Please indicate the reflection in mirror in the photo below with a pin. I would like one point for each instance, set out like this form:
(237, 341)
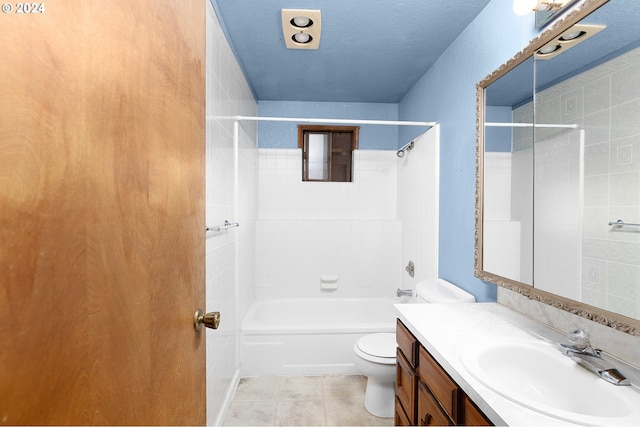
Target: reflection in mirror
(508, 179)
(587, 177)
(543, 17)
(545, 10)
(559, 165)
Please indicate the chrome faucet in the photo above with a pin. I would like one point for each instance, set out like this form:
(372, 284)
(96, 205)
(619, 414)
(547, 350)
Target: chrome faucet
(404, 292)
(583, 353)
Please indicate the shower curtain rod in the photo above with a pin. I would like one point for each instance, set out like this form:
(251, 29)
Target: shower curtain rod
(342, 121)
(528, 125)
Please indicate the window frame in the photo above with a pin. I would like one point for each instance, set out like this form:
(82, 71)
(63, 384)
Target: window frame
(303, 130)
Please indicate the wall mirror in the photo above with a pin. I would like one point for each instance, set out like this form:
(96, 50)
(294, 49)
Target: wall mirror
(558, 166)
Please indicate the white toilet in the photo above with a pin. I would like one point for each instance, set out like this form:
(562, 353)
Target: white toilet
(375, 354)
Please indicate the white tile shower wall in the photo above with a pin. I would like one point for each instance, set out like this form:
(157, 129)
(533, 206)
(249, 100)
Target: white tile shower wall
(501, 248)
(283, 194)
(522, 207)
(247, 214)
(309, 229)
(292, 255)
(558, 214)
(418, 190)
(227, 94)
(501, 233)
(497, 186)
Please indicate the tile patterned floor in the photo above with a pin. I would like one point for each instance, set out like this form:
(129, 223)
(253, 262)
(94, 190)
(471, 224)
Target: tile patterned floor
(335, 400)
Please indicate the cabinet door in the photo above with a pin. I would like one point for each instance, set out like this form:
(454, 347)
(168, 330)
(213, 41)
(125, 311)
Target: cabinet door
(429, 412)
(401, 418)
(406, 386)
(472, 415)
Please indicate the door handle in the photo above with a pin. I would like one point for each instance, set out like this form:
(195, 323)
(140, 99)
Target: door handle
(210, 320)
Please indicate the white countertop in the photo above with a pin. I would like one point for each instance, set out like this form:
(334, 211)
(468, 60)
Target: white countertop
(443, 329)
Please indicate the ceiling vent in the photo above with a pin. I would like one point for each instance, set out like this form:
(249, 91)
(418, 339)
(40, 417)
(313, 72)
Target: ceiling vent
(574, 35)
(301, 28)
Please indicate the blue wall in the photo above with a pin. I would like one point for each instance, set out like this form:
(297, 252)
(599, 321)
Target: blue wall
(285, 134)
(447, 94)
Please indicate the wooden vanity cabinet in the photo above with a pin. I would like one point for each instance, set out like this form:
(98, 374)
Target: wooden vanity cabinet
(406, 377)
(472, 415)
(425, 393)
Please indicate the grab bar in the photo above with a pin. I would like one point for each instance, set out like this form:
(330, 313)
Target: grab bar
(621, 223)
(222, 227)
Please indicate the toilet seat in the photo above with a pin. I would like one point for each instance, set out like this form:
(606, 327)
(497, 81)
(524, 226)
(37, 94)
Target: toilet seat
(378, 348)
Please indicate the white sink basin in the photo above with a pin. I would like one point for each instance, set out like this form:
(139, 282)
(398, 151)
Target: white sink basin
(537, 375)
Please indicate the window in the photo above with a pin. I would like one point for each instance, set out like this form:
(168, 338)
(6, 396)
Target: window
(327, 152)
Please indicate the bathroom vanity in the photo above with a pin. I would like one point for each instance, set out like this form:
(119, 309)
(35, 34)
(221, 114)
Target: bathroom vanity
(442, 346)
(425, 393)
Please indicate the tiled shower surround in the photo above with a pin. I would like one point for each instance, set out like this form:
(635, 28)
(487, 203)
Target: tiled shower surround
(594, 179)
(362, 233)
(311, 229)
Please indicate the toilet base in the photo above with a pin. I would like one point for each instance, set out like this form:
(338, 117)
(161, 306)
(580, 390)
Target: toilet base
(379, 398)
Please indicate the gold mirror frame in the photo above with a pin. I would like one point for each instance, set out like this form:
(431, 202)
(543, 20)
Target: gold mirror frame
(595, 314)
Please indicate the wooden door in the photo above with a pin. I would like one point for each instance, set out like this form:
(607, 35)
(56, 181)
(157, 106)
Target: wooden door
(102, 212)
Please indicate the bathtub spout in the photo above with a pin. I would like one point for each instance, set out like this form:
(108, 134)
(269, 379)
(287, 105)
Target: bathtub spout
(404, 292)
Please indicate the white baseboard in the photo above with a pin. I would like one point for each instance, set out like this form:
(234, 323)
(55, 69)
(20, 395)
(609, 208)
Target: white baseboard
(231, 391)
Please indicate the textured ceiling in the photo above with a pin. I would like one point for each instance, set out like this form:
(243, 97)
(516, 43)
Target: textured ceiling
(370, 50)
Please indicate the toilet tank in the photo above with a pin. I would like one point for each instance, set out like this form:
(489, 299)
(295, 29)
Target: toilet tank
(439, 291)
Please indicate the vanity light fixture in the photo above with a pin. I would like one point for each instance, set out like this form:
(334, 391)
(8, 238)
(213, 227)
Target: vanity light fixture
(522, 7)
(574, 35)
(301, 28)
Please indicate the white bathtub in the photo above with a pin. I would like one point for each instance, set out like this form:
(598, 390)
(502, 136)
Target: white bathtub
(309, 336)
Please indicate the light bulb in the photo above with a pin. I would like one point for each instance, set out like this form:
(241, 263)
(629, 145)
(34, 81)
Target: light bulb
(522, 7)
(302, 37)
(545, 50)
(301, 21)
(572, 35)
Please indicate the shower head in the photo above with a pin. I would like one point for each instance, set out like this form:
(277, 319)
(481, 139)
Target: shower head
(407, 147)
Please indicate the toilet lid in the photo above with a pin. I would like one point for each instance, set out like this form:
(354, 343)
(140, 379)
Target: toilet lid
(379, 345)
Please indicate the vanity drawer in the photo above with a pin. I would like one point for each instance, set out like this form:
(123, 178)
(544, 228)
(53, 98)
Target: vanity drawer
(406, 342)
(406, 382)
(443, 388)
(429, 411)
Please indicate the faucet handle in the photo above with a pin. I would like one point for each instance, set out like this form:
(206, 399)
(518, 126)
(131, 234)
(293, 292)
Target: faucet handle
(579, 338)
